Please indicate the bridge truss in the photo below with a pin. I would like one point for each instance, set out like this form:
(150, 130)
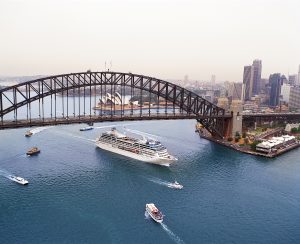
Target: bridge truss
(104, 96)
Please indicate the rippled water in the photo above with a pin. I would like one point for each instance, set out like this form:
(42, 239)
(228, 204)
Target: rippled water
(78, 193)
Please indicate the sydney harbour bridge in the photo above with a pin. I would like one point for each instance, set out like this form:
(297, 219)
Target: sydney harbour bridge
(90, 97)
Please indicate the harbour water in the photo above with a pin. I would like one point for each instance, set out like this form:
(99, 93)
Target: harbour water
(78, 193)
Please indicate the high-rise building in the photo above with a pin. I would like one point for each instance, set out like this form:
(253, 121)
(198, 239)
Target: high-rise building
(298, 83)
(285, 92)
(252, 80)
(256, 76)
(295, 98)
(275, 83)
(247, 83)
(292, 80)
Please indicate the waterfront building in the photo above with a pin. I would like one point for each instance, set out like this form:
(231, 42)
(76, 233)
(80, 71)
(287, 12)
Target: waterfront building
(294, 101)
(275, 143)
(275, 83)
(285, 92)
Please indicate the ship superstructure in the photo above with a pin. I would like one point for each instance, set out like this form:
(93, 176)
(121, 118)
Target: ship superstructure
(147, 150)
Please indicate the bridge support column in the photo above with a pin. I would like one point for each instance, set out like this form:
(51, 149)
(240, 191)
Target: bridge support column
(237, 118)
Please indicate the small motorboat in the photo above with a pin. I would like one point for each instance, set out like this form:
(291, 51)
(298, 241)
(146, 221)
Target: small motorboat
(28, 133)
(18, 179)
(155, 214)
(33, 151)
(86, 128)
(175, 185)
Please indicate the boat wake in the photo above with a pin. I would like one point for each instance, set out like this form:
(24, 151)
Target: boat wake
(74, 136)
(39, 129)
(173, 236)
(159, 181)
(147, 215)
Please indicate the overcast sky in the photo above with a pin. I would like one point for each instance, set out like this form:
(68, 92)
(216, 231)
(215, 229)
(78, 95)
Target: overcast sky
(162, 38)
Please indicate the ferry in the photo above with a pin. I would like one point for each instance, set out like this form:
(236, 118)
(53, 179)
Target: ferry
(28, 134)
(18, 179)
(86, 128)
(33, 151)
(155, 214)
(175, 185)
(147, 150)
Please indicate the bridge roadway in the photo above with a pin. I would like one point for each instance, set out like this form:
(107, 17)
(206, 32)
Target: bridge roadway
(271, 115)
(23, 123)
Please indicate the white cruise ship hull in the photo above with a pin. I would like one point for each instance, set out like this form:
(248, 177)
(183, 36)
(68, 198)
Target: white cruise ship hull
(148, 159)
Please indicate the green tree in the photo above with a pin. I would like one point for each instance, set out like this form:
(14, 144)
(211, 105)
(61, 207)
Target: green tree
(294, 130)
(253, 145)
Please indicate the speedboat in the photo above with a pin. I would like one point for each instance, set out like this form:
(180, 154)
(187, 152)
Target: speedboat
(175, 185)
(33, 151)
(18, 179)
(28, 133)
(86, 128)
(153, 211)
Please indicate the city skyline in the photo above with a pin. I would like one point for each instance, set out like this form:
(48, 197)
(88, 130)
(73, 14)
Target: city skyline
(165, 39)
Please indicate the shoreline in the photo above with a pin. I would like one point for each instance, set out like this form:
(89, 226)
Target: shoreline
(246, 151)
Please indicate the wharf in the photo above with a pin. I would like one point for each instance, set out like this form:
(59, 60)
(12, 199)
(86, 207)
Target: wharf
(241, 149)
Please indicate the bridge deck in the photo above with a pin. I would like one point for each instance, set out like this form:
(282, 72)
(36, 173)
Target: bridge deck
(87, 119)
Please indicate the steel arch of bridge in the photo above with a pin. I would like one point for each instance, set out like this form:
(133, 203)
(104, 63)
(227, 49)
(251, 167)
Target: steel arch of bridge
(209, 115)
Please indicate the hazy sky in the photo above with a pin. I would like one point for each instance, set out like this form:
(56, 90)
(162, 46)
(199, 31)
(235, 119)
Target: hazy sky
(165, 39)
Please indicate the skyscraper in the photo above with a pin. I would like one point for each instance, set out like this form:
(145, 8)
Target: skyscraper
(298, 84)
(247, 83)
(256, 78)
(275, 83)
(252, 80)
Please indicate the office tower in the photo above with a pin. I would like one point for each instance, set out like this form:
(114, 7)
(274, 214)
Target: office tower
(285, 92)
(275, 83)
(293, 79)
(294, 102)
(247, 83)
(298, 83)
(256, 76)
(252, 80)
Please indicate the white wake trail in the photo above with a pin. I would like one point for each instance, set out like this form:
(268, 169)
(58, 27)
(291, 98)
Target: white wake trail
(39, 129)
(77, 137)
(173, 236)
(159, 181)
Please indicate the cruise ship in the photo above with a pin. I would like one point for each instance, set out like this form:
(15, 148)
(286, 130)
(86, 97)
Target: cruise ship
(147, 150)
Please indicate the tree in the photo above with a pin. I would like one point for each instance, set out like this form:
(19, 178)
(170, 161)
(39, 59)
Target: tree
(244, 135)
(237, 134)
(294, 130)
(253, 145)
(229, 139)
